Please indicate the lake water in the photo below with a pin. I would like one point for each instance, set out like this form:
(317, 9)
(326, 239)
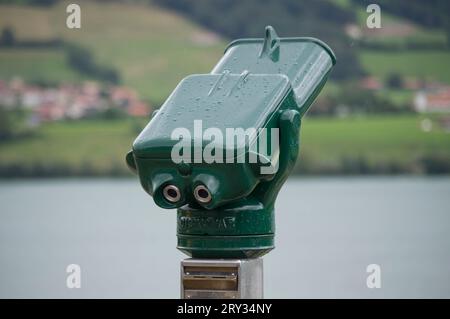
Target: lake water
(328, 231)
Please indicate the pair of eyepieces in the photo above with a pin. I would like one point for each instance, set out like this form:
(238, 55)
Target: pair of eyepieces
(172, 194)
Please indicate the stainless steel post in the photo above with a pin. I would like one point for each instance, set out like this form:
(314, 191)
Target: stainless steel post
(222, 278)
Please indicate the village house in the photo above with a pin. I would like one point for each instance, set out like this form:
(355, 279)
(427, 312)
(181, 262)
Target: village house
(433, 101)
(370, 83)
(69, 101)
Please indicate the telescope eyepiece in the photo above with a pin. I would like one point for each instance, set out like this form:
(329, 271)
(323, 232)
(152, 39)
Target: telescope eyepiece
(202, 194)
(172, 193)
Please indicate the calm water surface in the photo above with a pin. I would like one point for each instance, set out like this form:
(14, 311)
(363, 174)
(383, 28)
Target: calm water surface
(328, 231)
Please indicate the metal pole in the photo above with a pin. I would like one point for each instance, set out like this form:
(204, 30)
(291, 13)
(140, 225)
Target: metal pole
(222, 278)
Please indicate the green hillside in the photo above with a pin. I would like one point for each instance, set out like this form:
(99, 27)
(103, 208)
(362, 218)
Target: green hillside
(152, 48)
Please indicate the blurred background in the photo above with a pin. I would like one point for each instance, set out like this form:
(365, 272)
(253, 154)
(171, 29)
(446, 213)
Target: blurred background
(371, 184)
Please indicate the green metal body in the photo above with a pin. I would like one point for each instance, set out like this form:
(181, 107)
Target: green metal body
(259, 83)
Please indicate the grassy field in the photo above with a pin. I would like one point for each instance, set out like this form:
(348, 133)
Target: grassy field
(151, 47)
(100, 146)
(37, 64)
(378, 138)
(433, 65)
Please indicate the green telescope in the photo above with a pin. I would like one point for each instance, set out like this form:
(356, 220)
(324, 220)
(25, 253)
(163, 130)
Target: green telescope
(221, 146)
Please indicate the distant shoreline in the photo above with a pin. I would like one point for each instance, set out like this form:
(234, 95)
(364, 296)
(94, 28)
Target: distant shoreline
(125, 175)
